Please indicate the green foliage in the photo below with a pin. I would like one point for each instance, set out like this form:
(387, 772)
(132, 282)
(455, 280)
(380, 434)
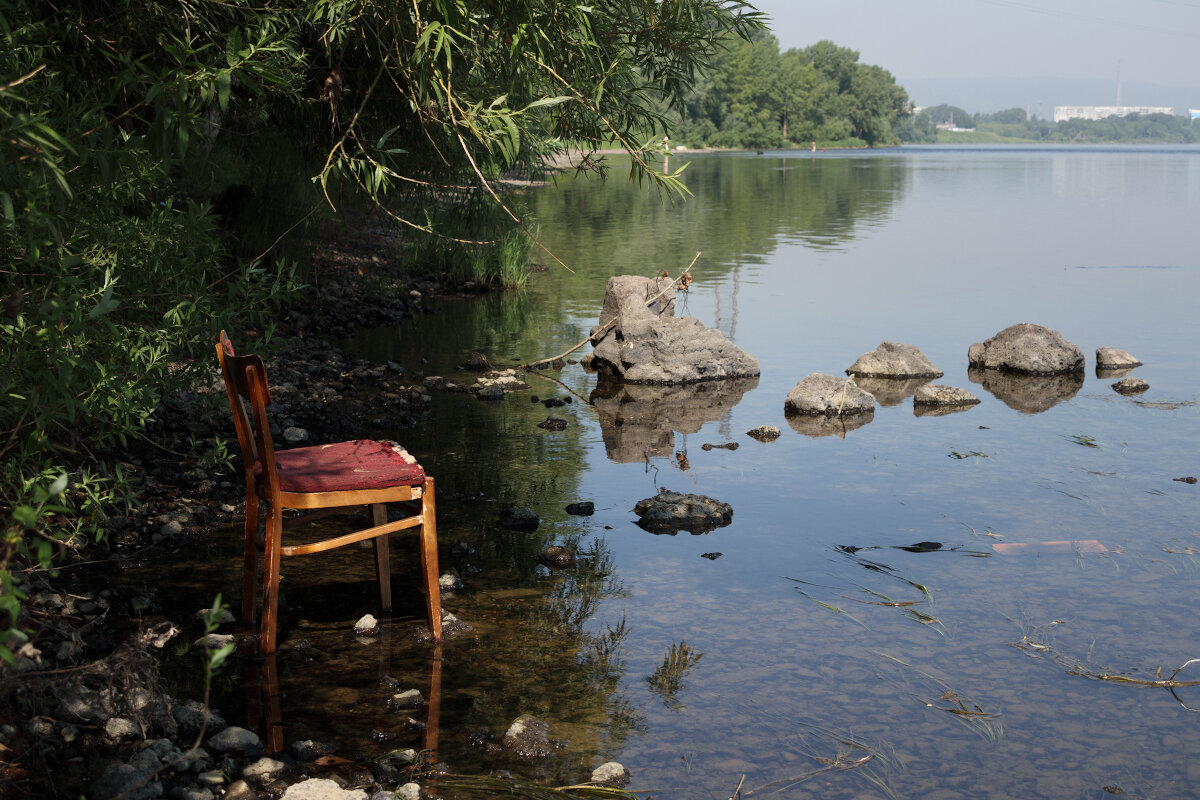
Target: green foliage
(155, 162)
(950, 115)
(756, 97)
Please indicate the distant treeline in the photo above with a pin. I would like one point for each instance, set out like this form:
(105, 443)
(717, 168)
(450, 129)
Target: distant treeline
(1011, 125)
(753, 96)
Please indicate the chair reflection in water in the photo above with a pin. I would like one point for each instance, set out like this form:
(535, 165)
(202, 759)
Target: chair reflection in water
(265, 706)
(320, 480)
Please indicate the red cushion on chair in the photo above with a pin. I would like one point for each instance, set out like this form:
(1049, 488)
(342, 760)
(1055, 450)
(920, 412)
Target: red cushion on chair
(345, 467)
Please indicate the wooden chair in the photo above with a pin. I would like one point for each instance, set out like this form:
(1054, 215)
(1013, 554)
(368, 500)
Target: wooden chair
(334, 476)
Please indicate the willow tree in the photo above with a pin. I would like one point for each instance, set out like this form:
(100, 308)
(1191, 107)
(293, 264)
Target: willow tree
(132, 130)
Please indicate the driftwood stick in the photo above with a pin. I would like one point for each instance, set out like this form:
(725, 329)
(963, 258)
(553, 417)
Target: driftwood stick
(608, 325)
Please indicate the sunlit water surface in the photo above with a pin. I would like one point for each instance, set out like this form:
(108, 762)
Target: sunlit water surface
(815, 656)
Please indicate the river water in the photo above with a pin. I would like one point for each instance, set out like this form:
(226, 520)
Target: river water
(808, 649)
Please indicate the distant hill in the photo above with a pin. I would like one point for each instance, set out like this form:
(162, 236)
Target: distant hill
(986, 95)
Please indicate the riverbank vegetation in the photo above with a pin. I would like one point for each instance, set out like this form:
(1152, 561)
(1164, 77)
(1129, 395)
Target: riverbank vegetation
(164, 170)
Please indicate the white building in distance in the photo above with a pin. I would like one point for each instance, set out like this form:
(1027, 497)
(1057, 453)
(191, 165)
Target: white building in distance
(1100, 112)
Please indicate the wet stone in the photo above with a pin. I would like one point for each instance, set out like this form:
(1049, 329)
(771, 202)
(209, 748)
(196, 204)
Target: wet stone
(528, 738)
(556, 556)
(553, 424)
(583, 509)
(406, 700)
(367, 626)
(1110, 358)
(1130, 386)
(236, 740)
(519, 518)
(764, 433)
(263, 771)
(611, 773)
(309, 750)
(936, 394)
(670, 512)
(894, 360)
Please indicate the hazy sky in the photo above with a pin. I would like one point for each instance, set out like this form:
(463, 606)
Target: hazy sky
(1153, 41)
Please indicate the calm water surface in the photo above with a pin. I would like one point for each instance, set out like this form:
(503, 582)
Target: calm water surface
(816, 656)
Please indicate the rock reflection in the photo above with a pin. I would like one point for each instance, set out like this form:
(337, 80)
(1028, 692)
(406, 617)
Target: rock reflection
(639, 421)
(1029, 394)
(890, 391)
(817, 425)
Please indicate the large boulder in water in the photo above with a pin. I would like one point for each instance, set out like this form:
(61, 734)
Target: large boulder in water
(893, 360)
(1029, 349)
(671, 512)
(826, 395)
(640, 340)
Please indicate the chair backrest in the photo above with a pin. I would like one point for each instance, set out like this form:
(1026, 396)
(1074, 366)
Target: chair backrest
(246, 382)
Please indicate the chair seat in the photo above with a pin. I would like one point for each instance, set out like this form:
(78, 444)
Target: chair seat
(345, 467)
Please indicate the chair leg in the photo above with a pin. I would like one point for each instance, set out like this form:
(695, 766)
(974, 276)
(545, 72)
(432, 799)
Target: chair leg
(271, 557)
(383, 564)
(250, 557)
(429, 560)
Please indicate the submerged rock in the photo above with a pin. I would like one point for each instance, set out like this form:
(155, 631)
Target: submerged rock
(671, 512)
(825, 395)
(519, 518)
(1029, 349)
(640, 340)
(529, 738)
(893, 360)
(556, 556)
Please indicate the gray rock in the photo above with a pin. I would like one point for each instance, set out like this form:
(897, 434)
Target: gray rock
(308, 750)
(449, 582)
(240, 790)
(639, 421)
(409, 699)
(936, 394)
(295, 434)
(825, 395)
(190, 716)
(213, 641)
(1029, 394)
(263, 771)
(1029, 349)
(172, 528)
(893, 360)
(128, 782)
(647, 343)
(519, 518)
(120, 729)
(582, 509)
(236, 740)
(383, 794)
(1130, 386)
(321, 789)
(367, 625)
(610, 773)
(1110, 358)
(191, 793)
(409, 791)
(671, 512)
(764, 433)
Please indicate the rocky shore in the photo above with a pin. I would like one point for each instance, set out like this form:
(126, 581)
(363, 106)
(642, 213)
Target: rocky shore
(82, 710)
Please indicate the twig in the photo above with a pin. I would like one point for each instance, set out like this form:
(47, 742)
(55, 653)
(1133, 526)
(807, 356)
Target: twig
(606, 326)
